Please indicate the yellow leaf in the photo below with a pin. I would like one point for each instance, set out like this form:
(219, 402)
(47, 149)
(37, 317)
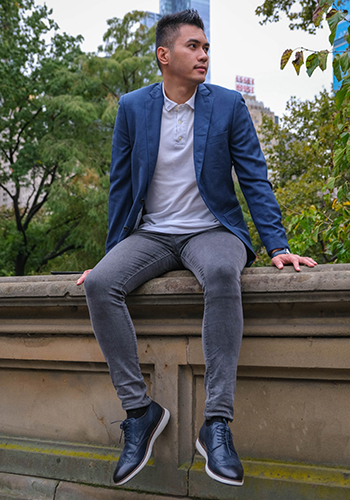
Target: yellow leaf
(285, 57)
(298, 61)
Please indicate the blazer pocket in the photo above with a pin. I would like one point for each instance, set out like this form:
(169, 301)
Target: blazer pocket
(234, 216)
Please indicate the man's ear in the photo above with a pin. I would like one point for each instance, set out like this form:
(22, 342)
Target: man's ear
(163, 55)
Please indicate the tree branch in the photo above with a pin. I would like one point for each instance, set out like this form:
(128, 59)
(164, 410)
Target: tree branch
(56, 252)
(2, 186)
(23, 129)
(5, 153)
(36, 205)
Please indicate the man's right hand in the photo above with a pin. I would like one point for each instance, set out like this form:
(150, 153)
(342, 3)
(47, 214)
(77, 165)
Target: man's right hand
(83, 276)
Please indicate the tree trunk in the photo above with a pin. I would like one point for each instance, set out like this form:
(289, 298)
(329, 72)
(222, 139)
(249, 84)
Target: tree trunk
(20, 263)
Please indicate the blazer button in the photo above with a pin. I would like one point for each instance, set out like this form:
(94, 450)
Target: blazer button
(142, 201)
(126, 228)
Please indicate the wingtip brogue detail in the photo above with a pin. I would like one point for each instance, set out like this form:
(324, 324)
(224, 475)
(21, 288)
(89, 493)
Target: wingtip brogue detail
(139, 437)
(215, 444)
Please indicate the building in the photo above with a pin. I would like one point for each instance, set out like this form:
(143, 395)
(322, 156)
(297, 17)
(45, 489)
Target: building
(246, 85)
(340, 44)
(151, 19)
(203, 8)
(6, 200)
(257, 110)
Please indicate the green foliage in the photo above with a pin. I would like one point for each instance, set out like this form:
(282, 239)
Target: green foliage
(58, 107)
(307, 17)
(129, 45)
(329, 224)
(298, 152)
(49, 130)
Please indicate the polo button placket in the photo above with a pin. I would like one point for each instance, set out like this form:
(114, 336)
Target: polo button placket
(180, 126)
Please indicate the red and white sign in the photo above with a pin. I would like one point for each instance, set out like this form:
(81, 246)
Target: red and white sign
(245, 84)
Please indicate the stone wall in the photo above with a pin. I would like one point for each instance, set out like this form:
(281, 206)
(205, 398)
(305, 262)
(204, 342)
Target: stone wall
(291, 426)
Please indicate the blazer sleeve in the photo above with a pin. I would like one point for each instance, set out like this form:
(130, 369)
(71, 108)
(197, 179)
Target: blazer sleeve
(251, 170)
(120, 193)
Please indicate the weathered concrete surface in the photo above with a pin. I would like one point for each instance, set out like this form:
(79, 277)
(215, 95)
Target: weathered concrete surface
(70, 491)
(14, 487)
(292, 406)
(277, 481)
(263, 481)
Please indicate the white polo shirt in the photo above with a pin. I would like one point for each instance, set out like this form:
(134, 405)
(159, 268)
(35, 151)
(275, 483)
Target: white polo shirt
(174, 204)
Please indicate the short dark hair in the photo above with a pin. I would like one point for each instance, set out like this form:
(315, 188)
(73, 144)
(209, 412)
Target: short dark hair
(169, 25)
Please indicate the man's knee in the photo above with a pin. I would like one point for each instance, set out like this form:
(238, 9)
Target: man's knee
(223, 272)
(95, 283)
(101, 286)
(222, 278)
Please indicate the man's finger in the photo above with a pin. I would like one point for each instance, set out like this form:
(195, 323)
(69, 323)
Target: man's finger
(308, 261)
(83, 276)
(294, 259)
(295, 262)
(277, 262)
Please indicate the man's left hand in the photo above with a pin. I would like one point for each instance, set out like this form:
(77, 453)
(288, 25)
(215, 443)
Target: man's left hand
(289, 258)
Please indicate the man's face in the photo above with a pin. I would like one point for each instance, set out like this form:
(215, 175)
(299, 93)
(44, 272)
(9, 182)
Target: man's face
(188, 59)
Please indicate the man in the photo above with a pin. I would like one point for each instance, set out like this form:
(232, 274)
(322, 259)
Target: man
(172, 205)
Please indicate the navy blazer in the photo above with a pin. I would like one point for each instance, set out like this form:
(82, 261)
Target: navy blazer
(224, 135)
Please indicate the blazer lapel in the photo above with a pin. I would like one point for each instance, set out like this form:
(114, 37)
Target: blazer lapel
(202, 115)
(154, 107)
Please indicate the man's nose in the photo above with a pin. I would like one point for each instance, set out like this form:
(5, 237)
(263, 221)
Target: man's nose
(203, 55)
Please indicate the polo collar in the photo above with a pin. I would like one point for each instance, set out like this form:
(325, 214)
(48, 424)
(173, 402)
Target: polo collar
(169, 105)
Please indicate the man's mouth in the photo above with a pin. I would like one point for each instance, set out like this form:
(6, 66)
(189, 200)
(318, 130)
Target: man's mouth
(201, 68)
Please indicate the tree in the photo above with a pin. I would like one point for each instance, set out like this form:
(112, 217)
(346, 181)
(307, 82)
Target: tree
(298, 152)
(47, 127)
(130, 47)
(56, 126)
(329, 224)
(301, 19)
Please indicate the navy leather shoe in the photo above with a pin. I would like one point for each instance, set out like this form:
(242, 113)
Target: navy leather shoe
(215, 444)
(139, 437)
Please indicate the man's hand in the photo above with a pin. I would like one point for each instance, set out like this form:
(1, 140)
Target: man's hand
(289, 258)
(83, 276)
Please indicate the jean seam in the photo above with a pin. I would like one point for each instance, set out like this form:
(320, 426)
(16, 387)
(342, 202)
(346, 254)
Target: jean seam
(204, 337)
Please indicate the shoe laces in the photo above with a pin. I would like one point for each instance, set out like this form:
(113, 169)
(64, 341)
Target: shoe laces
(125, 429)
(224, 436)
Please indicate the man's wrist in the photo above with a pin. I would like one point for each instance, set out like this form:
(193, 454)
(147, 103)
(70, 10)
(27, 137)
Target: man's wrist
(279, 251)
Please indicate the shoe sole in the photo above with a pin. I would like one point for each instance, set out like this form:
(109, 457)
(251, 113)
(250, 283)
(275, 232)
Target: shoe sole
(221, 479)
(157, 431)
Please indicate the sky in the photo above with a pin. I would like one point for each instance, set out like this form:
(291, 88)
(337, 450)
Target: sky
(239, 45)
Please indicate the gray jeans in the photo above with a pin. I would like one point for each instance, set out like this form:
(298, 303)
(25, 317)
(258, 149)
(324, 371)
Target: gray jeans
(216, 257)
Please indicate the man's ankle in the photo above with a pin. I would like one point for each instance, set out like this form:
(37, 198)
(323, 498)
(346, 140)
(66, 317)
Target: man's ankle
(211, 420)
(136, 412)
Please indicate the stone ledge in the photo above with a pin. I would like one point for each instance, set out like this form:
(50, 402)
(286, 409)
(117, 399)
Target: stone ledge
(263, 480)
(314, 302)
(323, 278)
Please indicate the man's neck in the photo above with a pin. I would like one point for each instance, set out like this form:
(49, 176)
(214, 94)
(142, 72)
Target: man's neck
(178, 94)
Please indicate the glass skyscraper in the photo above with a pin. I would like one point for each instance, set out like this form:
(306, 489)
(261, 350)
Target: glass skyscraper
(202, 6)
(340, 44)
